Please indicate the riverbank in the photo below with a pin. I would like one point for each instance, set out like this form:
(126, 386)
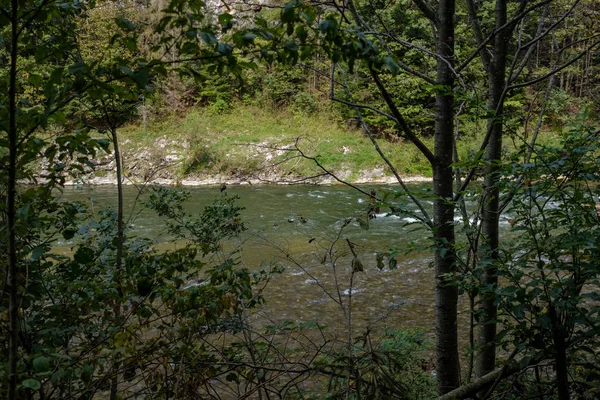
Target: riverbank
(250, 145)
(364, 177)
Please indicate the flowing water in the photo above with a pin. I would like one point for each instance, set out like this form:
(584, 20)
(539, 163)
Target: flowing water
(296, 226)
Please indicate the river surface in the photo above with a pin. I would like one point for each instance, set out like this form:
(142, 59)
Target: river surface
(296, 227)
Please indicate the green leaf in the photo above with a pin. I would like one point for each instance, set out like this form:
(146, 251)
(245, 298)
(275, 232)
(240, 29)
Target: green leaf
(208, 38)
(86, 373)
(77, 68)
(84, 255)
(379, 260)
(232, 377)
(37, 253)
(141, 77)
(288, 13)
(248, 37)
(32, 384)
(291, 46)
(125, 24)
(225, 19)
(41, 364)
(68, 234)
(145, 312)
(335, 57)
(126, 70)
(391, 65)
(301, 33)
(189, 48)
(224, 49)
(357, 265)
(363, 224)
(103, 143)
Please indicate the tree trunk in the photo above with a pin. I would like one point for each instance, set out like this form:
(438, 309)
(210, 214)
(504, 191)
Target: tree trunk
(446, 294)
(119, 260)
(11, 194)
(486, 360)
(560, 348)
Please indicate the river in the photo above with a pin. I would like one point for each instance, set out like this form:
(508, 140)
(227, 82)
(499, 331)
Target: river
(302, 221)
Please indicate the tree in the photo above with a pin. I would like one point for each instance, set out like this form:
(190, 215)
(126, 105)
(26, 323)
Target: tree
(72, 319)
(26, 34)
(353, 41)
(34, 101)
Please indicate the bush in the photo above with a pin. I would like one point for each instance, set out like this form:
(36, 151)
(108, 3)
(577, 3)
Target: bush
(305, 103)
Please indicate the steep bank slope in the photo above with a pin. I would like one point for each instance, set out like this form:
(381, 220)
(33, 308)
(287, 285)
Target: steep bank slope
(252, 145)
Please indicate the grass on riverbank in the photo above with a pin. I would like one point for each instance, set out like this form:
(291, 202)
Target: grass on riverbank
(245, 140)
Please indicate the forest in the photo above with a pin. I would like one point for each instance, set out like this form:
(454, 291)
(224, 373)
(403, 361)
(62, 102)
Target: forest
(493, 102)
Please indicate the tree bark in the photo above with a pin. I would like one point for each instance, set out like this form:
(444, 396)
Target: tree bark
(470, 389)
(486, 360)
(120, 242)
(11, 194)
(446, 294)
(560, 348)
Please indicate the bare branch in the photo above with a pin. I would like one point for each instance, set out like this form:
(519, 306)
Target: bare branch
(553, 72)
(5, 13)
(484, 54)
(314, 159)
(426, 10)
(426, 217)
(414, 46)
(401, 123)
(496, 31)
(363, 106)
(470, 389)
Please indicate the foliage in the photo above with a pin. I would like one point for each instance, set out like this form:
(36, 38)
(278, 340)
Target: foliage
(392, 367)
(81, 325)
(549, 296)
(170, 301)
(238, 141)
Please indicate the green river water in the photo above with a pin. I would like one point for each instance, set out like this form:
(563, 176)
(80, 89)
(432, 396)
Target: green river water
(303, 221)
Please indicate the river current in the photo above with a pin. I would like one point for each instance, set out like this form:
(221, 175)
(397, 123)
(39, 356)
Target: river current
(296, 226)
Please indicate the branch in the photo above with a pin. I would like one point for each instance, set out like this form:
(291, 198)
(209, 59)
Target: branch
(509, 87)
(5, 13)
(363, 106)
(478, 384)
(35, 12)
(553, 72)
(493, 377)
(485, 56)
(413, 46)
(512, 75)
(498, 30)
(551, 27)
(401, 122)
(426, 10)
(326, 171)
(426, 218)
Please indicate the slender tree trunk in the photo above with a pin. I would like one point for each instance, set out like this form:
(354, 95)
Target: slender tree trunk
(11, 194)
(446, 294)
(562, 373)
(560, 348)
(486, 360)
(119, 261)
(120, 207)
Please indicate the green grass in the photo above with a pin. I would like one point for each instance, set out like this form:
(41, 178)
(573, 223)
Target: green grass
(231, 143)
